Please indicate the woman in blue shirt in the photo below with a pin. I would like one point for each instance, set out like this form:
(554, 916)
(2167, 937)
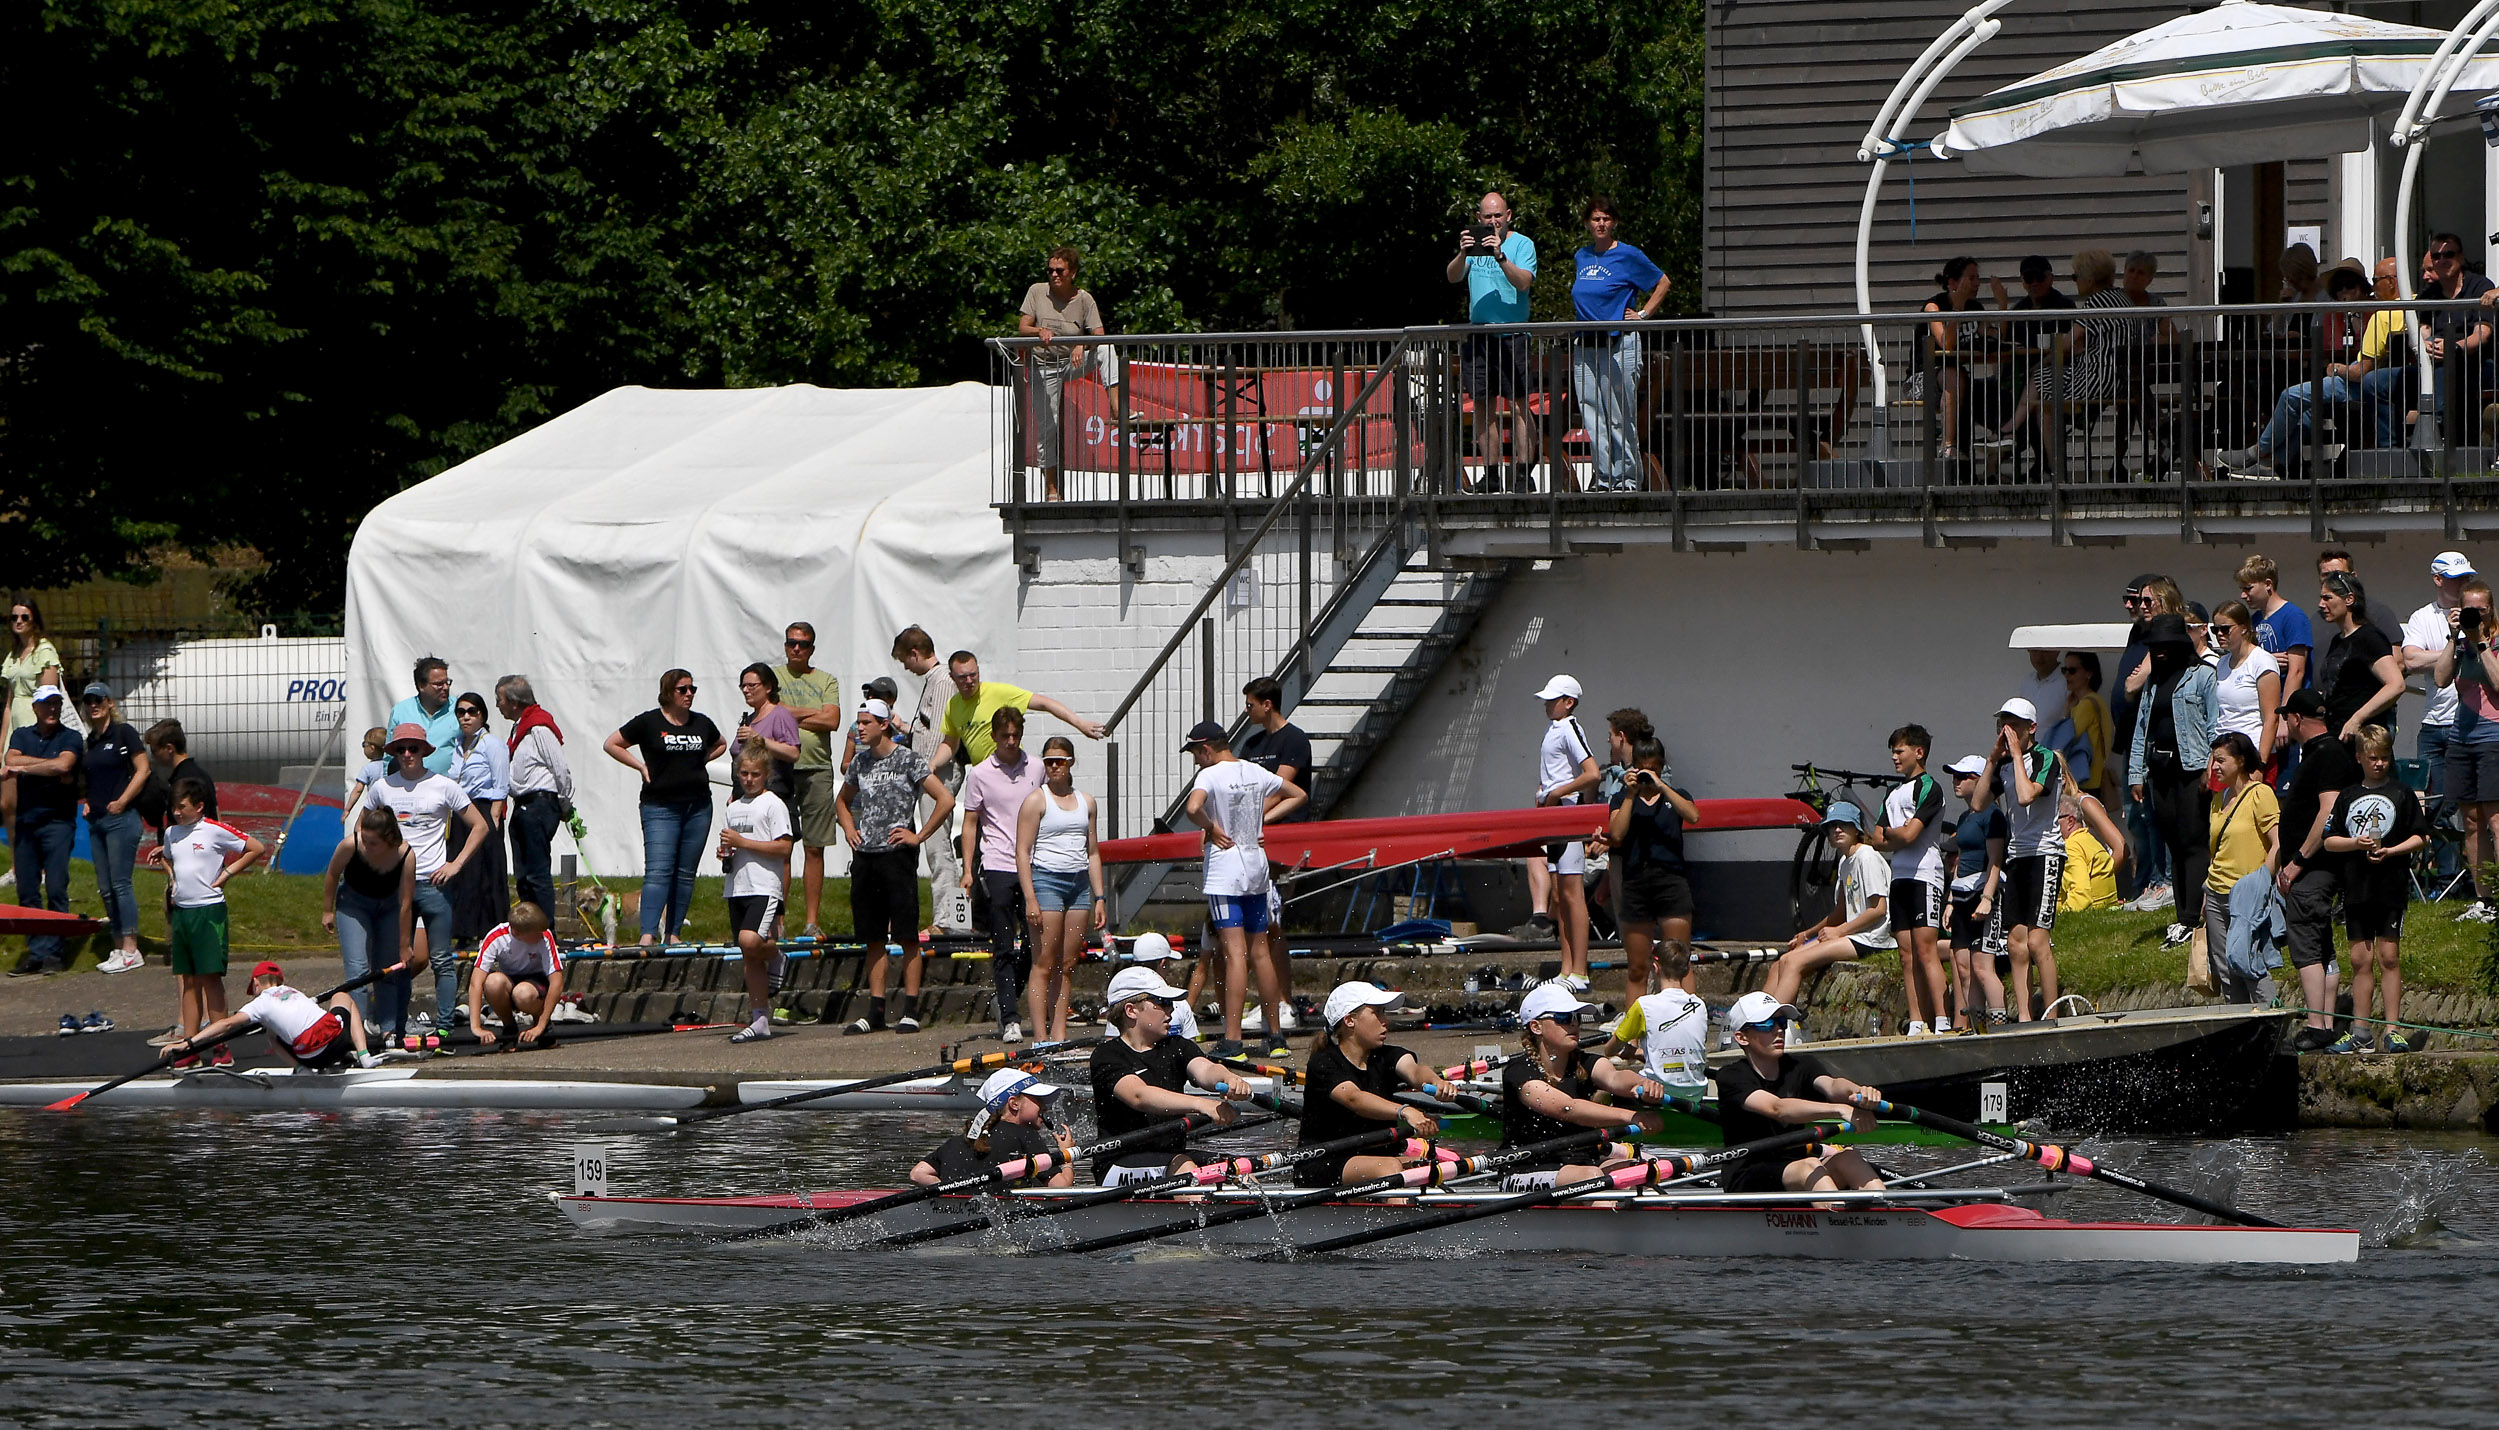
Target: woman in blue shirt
(1611, 280)
(482, 766)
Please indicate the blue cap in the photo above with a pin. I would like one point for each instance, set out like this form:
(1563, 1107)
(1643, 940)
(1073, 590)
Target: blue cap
(1842, 812)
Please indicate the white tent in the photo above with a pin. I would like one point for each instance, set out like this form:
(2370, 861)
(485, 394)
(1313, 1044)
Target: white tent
(2240, 83)
(648, 529)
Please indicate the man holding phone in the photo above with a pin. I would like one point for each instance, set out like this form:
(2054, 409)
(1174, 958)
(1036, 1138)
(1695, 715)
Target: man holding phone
(1497, 266)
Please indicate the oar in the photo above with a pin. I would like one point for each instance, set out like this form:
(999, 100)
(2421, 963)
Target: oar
(2060, 1159)
(959, 1066)
(1477, 1067)
(1621, 1179)
(1207, 1175)
(1737, 955)
(168, 1060)
(359, 981)
(1038, 1165)
(1429, 1174)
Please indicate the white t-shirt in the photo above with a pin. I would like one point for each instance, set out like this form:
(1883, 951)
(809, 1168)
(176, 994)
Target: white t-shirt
(517, 958)
(763, 817)
(1671, 1029)
(283, 1013)
(2428, 630)
(2048, 695)
(197, 853)
(424, 808)
(1864, 877)
(2234, 688)
(1558, 762)
(1918, 797)
(1236, 798)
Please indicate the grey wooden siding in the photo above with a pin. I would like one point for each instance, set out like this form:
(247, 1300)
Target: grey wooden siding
(1792, 86)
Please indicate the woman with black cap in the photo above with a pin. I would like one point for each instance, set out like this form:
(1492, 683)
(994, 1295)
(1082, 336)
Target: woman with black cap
(2173, 744)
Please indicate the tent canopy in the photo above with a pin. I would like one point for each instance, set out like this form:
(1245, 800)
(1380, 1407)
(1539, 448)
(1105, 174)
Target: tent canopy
(649, 529)
(2241, 83)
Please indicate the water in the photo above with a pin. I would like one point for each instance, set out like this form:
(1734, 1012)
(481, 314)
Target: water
(405, 1268)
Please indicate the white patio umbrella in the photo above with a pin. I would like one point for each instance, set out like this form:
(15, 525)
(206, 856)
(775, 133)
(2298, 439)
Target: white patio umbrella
(2241, 83)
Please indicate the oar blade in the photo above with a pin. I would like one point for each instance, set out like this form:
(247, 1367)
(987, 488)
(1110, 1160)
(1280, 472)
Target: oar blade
(65, 1104)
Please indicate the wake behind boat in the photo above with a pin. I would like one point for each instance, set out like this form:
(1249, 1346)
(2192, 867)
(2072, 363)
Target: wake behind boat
(289, 1088)
(1968, 1224)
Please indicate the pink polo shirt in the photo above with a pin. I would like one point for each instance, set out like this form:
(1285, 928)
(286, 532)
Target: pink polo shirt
(997, 795)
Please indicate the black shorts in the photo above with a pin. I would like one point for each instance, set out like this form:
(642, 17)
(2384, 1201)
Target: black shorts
(1966, 929)
(1654, 893)
(1755, 1175)
(338, 1052)
(2308, 909)
(2373, 918)
(752, 913)
(2472, 773)
(1915, 904)
(1494, 365)
(2030, 888)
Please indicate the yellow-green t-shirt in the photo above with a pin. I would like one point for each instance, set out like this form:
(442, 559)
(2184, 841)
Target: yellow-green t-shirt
(2238, 834)
(819, 687)
(967, 721)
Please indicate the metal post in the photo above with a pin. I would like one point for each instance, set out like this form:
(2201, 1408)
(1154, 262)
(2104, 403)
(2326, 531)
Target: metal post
(1119, 408)
(1110, 789)
(1206, 662)
(1930, 408)
(1301, 639)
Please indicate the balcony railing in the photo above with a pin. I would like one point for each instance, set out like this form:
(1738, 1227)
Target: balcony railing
(2061, 414)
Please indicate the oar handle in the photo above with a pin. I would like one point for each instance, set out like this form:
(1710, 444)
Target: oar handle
(360, 980)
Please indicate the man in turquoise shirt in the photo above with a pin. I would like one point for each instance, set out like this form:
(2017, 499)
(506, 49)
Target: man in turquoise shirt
(431, 708)
(1497, 273)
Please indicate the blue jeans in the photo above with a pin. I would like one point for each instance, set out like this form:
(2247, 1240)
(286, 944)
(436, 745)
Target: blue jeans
(2382, 400)
(1605, 375)
(673, 837)
(368, 937)
(2292, 407)
(113, 843)
(2151, 856)
(42, 853)
(2430, 743)
(433, 911)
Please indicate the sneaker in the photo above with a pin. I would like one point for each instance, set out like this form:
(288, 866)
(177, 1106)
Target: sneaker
(782, 1017)
(2354, 1042)
(33, 967)
(1254, 1020)
(1538, 926)
(750, 1034)
(1278, 1048)
(812, 934)
(2310, 1040)
(420, 1023)
(2480, 911)
(2396, 1042)
(1011, 1034)
(2159, 896)
(1917, 1030)
(2176, 935)
(1943, 1026)
(1224, 1048)
(170, 1035)
(128, 960)
(1286, 1022)
(69, 1025)
(222, 1058)
(861, 1026)
(95, 1023)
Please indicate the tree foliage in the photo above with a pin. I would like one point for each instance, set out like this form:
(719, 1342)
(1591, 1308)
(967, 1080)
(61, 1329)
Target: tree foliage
(262, 265)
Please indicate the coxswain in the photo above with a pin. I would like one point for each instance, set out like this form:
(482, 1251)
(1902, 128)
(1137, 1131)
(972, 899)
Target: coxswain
(1552, 1088)
(1354, 1075)
(1668, 1028)
(518, 971)
(305, 1034)
(1141, 1077)
(1011, 1124)
(1766, 1092)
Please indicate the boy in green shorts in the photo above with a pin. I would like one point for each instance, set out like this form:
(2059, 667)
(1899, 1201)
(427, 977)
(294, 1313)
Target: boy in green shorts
(200, 855)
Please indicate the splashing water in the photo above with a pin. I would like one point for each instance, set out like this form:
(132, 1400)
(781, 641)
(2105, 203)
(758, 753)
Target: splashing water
(2423, 1189)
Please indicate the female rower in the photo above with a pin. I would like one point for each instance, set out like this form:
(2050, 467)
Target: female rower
(1550, 1090)
(1767, 1092)
(1139, 1079)
(1355, 1073)
(1009, 1125)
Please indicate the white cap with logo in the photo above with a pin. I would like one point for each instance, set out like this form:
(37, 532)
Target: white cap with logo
(1150, 948)
(2452, 564)
(2020, 709)
(1755, 1010)
(1008, 1083)
(1357, 994)
(1969, 765)
(1558, 687)
(1546, 999)
(1139, 983)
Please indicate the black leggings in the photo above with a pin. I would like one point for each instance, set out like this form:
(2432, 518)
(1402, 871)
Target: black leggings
(1010, 941)
(885, 900)
(2182, 818)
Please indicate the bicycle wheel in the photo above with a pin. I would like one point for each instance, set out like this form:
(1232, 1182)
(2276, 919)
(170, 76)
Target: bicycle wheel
(1812, 878)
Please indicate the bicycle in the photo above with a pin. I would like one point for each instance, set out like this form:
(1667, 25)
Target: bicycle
(1813, 873)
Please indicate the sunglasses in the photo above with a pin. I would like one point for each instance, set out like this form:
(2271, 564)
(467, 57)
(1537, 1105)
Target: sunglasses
(1058, 759)
(687, 689)
(472, 710)
(796, 644)
(2073, 670)
(2445, 255)
(1771, 1025)
(1567, 1020)
(20, 618)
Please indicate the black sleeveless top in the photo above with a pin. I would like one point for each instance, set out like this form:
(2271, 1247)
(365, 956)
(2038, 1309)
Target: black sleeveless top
(1522, 1126)
(371, 882)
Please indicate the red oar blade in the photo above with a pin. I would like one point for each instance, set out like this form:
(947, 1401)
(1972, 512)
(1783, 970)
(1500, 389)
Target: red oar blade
(65, 1104)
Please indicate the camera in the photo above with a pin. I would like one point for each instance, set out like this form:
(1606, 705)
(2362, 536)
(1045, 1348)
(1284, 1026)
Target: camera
(2470, 620)
(1480, 242)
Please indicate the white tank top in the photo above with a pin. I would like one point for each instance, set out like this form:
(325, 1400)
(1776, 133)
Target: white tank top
(1059, 844)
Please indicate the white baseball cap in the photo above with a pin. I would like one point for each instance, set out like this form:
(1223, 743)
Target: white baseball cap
(1150, 948)
(1558, 687)
(1969, 765)
(1357, 994)
(1139, 983)
(2019, 709)
(2452, 563)
(878, 708)
(1007, 1083)
(47, 692)
(1754, 1009)
(1546, 999)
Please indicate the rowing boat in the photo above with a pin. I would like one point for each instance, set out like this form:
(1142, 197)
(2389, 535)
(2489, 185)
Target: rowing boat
(1682, 1129)
(1967, 1224)
(291, 1088)
(949, 1095)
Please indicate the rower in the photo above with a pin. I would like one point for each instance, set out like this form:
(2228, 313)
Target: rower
(1669, 1028)
(298, 1028)
(1767, 1092)
(1551, 1089)
(1008, 1126)
(1355, 1072)
(1140, 1078)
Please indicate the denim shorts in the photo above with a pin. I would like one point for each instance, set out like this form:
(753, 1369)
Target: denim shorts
(1060, 892)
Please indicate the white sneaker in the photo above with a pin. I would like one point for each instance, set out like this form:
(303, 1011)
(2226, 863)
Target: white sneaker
(1285, 1021)
(2159, 896)
(1942, 1026)
(2175, 935)
(1254, 1020)
(1013, 1035)
(2478, 912)
(1917, 1030)
(123, 961)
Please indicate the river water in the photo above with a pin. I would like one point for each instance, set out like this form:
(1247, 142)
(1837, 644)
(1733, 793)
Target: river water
(386, 1268)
